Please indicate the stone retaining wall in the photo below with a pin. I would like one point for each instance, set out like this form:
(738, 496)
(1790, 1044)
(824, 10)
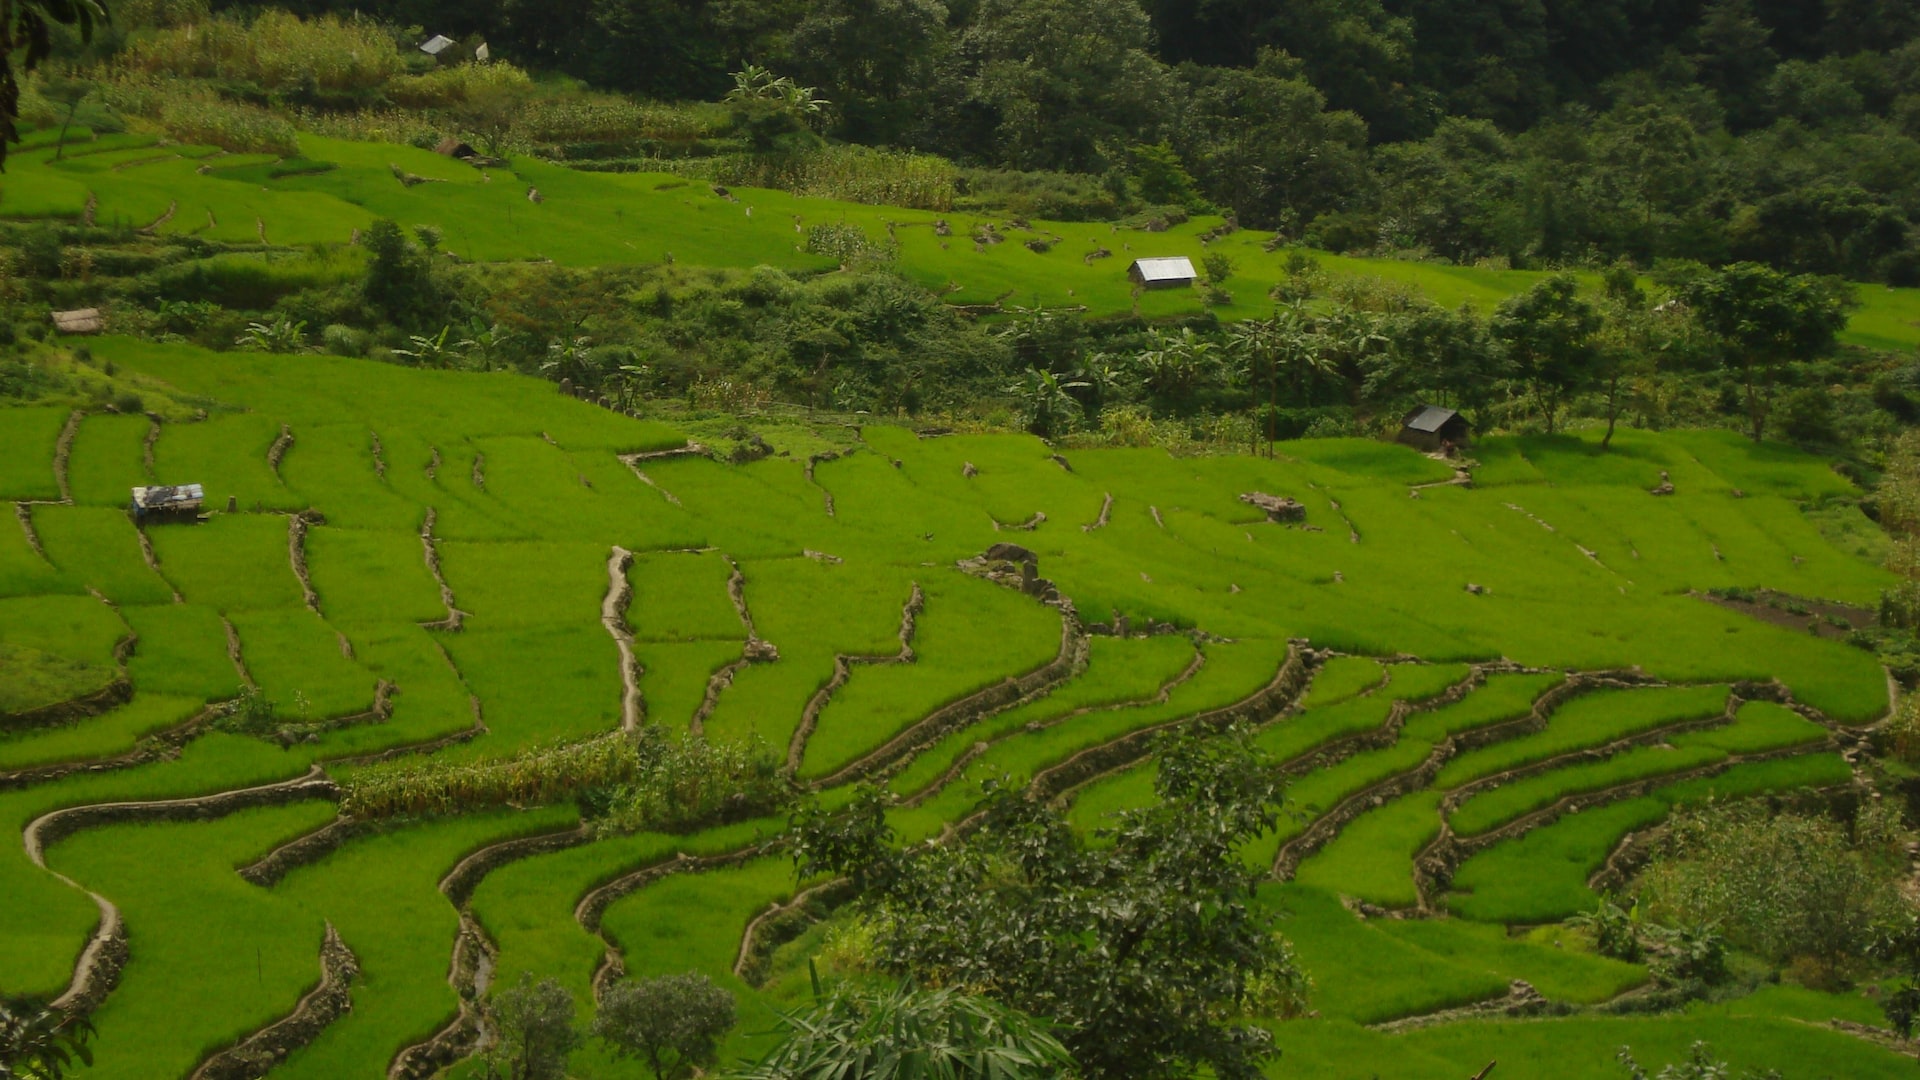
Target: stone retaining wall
(109, 697)
(260, 1052)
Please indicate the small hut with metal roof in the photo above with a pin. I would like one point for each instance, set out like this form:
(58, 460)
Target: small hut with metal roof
(1171, 272)
(79, 321)
(1431, 428)
(170, 501)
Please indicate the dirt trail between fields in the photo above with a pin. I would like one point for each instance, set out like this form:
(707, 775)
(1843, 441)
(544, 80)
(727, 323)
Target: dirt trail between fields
(613, 616)
(756, 650)
(1272, 701)
(256, 1055)
(979, 749)
(98, 968)
(23, 512)
(63, 451)
(843, 670)
(1436, 863)
(233, 654)
(278, 451)
(1327, 826)
(297, 556)
(431, 551)
(472, 967)
(633, 462)
(817, 459)
(160, 746)
(1106, 514)
(153, 562)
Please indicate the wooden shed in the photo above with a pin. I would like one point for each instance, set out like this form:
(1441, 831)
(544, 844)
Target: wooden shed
(1172, 272)
(1432, 428)
(81, 321)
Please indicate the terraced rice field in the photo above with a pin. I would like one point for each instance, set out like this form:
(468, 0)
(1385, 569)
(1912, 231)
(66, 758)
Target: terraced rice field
(335, 188)
(423, 562)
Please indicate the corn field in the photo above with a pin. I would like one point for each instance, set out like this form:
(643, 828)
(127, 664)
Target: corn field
(277, 51)
(650, 781)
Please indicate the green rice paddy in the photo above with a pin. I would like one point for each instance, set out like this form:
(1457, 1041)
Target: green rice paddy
(527, 505)
(591, 219)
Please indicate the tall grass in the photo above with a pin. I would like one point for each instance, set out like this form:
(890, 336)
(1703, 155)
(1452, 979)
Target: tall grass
(642, 781)
(859, 174)
(277, 51)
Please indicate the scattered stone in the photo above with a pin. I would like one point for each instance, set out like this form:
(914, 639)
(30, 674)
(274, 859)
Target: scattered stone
(941, 228)
(1477, 590)
(1665, 486)
(1279, 509)
(967, 470)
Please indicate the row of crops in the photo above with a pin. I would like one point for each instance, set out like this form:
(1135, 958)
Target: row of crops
(1472, 757)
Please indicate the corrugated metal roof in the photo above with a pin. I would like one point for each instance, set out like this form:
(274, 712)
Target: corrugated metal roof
(82, 321)
(153, 498)
(1170, 268)
(1430, 418)
(436, 45)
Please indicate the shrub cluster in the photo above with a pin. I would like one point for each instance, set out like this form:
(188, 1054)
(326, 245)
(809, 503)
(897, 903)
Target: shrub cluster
(1783, 885)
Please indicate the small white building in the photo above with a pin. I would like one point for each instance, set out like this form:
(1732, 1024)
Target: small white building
(436, 45)
(1171, 272)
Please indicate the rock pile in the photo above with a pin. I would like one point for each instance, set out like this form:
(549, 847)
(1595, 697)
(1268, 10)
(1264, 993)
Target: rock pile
(1279, 509)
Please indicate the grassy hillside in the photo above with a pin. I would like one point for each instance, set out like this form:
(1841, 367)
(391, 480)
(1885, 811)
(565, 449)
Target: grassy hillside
(335, 188)
(493, 495)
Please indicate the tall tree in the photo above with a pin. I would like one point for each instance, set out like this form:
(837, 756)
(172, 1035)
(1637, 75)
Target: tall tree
(1549, 333)
(1065, 78)
(1147, 949)
(875, 58)
(1734, 57)
(534, 1022)
(28, 25)
(674, 1023)
(1766, 321)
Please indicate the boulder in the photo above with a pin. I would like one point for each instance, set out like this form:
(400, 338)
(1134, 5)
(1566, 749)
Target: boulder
(1004, 552)
(1278, 508)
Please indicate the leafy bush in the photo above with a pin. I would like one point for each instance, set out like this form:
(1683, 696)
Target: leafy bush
(1148, 949)
(844, 242)
(1783, 885)
(936, 1034)
(534, 1030)
(674, 1023)
(1614, 930)
(282, 335)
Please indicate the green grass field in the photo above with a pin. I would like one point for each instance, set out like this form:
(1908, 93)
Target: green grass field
(524, 556)
(592, 219)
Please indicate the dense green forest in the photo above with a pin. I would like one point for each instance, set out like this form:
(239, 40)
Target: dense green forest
(1533, 133)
